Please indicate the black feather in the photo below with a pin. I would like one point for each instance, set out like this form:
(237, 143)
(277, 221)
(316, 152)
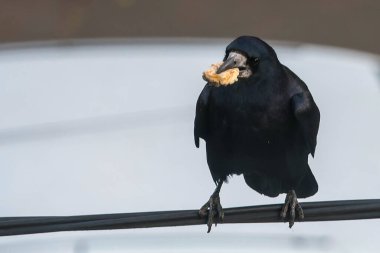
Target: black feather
(263, 126)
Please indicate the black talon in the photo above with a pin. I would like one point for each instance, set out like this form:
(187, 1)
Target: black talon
(291, 204)
(213, 209)
(285, 207)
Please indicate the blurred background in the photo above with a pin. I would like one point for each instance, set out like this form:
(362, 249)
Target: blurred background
(97, 102)
(344, 23)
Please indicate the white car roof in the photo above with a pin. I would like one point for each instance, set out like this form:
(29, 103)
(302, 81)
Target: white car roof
(107, 127)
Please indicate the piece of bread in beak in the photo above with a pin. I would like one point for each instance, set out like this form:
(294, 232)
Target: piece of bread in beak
(225, 78)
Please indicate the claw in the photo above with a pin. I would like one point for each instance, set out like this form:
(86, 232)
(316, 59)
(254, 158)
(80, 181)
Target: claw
(291, 203)
(300, 211)
(285, 207)
(213, 210)
(220, 212)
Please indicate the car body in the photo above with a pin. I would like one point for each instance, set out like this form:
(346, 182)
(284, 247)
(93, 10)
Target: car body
(107, 126)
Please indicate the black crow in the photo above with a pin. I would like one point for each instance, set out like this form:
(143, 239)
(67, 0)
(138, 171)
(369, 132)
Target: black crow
(263, 126)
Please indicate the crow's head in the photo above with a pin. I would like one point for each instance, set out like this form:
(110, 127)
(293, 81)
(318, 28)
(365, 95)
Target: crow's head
(248, 53)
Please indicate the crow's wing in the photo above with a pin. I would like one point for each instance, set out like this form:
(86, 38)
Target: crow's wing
(201, 116)
(307, 115)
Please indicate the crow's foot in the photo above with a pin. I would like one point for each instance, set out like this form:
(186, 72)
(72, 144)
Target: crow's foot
(213, 210)
(291, 205)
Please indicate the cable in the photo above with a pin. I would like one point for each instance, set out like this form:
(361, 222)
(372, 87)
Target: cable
(314, 211)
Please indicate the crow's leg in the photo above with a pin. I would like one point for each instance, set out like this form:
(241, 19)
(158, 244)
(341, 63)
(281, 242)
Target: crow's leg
(213, 209)
(291, 205)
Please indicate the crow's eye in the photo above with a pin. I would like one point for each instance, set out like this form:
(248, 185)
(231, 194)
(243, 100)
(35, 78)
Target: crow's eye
(256, 60)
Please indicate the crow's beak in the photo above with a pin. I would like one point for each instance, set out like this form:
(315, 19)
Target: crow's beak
(228, 64)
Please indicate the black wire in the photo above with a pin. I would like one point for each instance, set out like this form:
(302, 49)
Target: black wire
(314, 211)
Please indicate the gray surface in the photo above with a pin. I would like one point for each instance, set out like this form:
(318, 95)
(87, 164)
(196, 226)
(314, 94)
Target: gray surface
(108, 128)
